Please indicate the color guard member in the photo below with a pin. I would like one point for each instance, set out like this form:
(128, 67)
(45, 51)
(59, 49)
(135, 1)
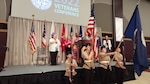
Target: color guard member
(54, 47)
(70, 66)
(104, 61)
(119, 67)
(88, 67)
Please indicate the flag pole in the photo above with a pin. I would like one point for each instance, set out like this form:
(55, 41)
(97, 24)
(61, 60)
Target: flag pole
(62, 51)
(33, 18)
(114, 55)
(119, 43)
(45, 38)
(32, 51)
(138, 2)
(43, 31)
(93, 1)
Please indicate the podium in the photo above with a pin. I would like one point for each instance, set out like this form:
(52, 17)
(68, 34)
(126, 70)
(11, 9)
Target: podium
(80, 44)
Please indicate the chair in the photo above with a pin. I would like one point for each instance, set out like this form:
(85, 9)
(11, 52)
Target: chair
(41, 55)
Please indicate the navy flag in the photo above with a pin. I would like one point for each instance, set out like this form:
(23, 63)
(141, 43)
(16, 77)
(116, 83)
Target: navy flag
(80, 32)
(71, 32)
(134, 31)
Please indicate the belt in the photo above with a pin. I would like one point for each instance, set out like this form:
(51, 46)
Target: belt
(88, 61)
(121, 62)
(104, 62)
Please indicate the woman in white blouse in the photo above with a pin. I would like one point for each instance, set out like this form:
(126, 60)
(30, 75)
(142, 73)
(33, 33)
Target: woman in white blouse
(54, 47)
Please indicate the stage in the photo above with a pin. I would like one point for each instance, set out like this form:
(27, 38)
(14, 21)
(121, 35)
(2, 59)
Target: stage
(47, 74)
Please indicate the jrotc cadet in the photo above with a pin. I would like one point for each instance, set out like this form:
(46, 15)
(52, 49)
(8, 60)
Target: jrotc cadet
(104, 61)
(119, 67)
(88, 67)
(70, 66)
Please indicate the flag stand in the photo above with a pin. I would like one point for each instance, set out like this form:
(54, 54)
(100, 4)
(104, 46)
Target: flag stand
(44, 43)
(138, 2)
(32, 60)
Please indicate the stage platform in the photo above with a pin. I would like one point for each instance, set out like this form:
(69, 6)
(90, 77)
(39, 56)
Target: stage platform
(47, 74)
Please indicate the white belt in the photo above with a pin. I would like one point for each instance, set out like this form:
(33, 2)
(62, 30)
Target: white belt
(121, 62)
(88, 61)
(104, 62)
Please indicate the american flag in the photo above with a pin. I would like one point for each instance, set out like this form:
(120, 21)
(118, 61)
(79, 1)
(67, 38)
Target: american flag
(32, 39)
(92, 30)
(44, 37)
(91, 23)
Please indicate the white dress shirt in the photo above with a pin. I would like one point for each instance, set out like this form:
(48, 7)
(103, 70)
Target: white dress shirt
(53, 47)
(107, 44)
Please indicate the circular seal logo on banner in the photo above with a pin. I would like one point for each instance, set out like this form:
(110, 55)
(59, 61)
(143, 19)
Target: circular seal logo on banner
(42, 4)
